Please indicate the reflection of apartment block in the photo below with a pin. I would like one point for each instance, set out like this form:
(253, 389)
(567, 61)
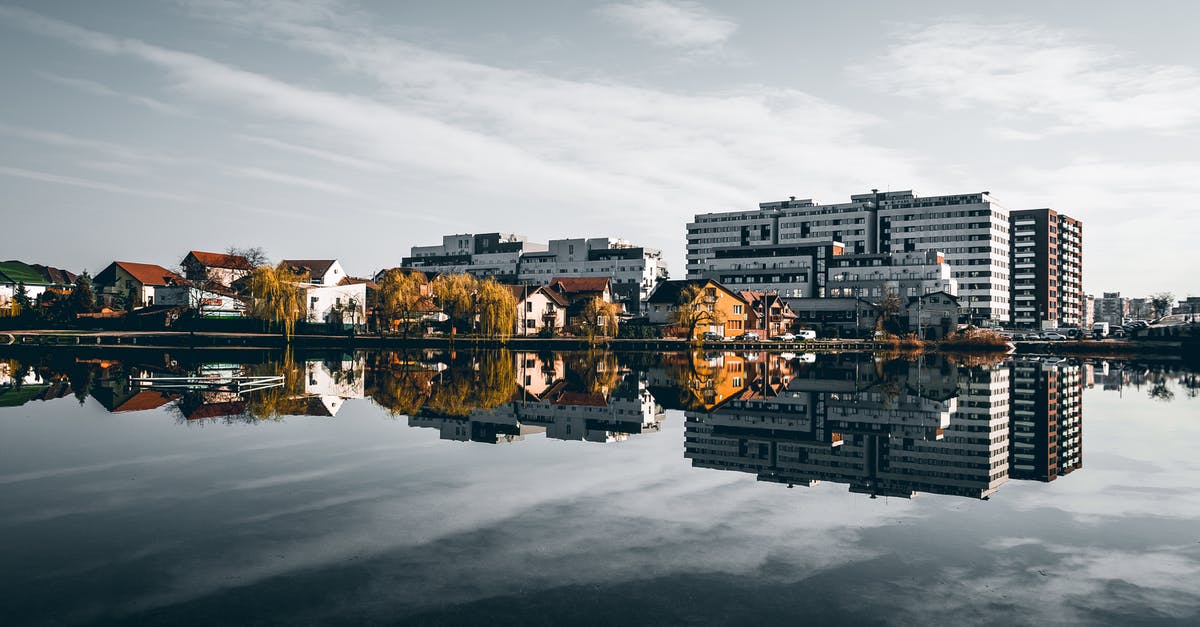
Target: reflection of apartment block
(895, 435)
(495, 426)
(1047, 419)
(567, 415)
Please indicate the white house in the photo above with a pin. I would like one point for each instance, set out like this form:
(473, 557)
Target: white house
(538, 308)
(345, 304)
(207, 303)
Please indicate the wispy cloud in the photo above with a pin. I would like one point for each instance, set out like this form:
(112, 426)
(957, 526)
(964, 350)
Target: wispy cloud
(290, 180)
(98, 89)
(59, 179)
(671, 24)
(1054, 80)
(608, 152)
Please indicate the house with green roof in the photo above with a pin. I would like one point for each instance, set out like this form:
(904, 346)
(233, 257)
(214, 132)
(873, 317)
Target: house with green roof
(36, 279)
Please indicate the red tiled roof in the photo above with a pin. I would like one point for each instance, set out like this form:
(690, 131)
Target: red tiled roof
(150, 274)
(580, 284)
(145, 400)
(220, 260)
(217, 410)
(353, 280)
(581, 398)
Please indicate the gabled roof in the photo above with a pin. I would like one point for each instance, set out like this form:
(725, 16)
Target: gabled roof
(144, 273)
(17, 272)
(219, 260)
(913, 299)
(668, 292)
(315, 267)
(353, 280)
(144, 400)
(57, 276)
(521, 292)
(571, 285)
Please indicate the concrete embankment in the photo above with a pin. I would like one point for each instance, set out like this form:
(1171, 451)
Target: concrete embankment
(127, 339)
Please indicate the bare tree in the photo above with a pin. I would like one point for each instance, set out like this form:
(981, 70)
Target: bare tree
(255, 255)
(1161, 302)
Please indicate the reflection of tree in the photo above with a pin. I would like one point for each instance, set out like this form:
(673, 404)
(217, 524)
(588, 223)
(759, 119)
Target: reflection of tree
(285, 400)
(1159, 388)
(474, 381)
(594, 372)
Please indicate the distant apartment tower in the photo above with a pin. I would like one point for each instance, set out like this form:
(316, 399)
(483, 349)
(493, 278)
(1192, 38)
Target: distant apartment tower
(510, 258)
(971, 230)
(1047, 269)
(1112, 308)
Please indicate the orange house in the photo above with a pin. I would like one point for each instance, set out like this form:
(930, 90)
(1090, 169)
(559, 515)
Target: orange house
(728, 308)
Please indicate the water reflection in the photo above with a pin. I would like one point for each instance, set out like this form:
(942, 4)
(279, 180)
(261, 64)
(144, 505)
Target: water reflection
(881, 425)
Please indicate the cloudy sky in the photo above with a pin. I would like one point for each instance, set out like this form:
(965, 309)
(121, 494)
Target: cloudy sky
(139, 130)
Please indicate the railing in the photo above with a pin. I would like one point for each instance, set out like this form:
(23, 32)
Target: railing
(239, 384)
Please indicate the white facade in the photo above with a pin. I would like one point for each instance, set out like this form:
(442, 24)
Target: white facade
(905, 274)
(325, 302)
(208, 304)
(633, 270)
(970, 229)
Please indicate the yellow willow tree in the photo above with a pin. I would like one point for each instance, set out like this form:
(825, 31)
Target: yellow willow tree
(497, 309)
(598, 317)
(693, 309)
(276, 296)
(401, 295)
(455, 294)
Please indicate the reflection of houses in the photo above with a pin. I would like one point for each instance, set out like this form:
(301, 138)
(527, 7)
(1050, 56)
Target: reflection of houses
(135, 282)
(329, 383)
(1047, 419)
(894, 434)
(554, 400)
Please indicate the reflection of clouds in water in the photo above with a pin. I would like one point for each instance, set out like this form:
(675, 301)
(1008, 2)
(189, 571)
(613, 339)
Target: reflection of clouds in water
(594, 517)
(1061, 584)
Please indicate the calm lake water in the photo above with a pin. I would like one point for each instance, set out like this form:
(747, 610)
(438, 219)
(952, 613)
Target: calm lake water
(555, 489)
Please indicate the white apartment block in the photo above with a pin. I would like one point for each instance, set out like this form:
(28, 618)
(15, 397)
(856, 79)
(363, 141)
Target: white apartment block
(634, 270)
(905, 274)
(971, 230)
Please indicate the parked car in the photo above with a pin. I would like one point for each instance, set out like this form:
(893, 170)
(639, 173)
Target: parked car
(785, 337)
(749, 336)
(712, 336)
(1053, 337)
(1118, 332)
(806, 334)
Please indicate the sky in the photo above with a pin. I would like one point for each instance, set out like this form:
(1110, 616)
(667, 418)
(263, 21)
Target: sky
(354, 130)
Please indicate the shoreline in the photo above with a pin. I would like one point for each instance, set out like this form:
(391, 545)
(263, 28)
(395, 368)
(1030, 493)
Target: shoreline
(50, 339)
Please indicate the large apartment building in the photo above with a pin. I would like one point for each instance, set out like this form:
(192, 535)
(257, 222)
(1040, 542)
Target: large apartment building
(970, 230)
(1047, 269)
(510, 258)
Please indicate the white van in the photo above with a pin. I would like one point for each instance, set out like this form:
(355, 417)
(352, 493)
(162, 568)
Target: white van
(806, 334)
